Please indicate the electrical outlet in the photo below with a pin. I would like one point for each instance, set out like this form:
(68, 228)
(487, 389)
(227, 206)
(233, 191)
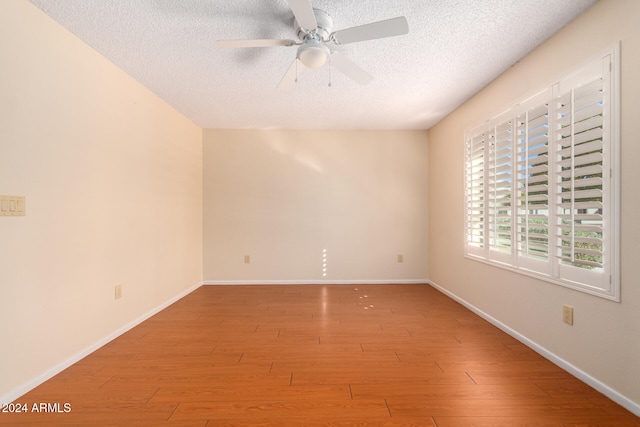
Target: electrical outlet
(400, 258)
(247, 259)
(118, 291)
(567, 314)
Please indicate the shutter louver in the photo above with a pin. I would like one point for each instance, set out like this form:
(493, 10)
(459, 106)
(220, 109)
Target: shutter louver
(579, 172)
(532, 187)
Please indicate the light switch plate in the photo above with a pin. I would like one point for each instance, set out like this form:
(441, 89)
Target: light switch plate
(12, 206)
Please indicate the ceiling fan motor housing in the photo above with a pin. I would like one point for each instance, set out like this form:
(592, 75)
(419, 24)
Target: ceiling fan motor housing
(324, 26)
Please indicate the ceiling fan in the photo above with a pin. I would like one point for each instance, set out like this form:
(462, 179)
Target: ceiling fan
(314, 28)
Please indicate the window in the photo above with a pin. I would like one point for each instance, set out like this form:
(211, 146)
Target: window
(542, 183)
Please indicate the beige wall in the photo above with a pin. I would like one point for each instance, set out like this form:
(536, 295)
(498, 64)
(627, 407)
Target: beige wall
(284, 196)
(605, 339)
(113, 184)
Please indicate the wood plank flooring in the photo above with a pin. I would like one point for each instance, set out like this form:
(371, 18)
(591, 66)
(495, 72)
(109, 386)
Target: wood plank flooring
(318, 355)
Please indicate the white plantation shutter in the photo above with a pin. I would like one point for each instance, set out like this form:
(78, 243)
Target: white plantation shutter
(583, 185)
(475, 197)
(541, 183)
(579, 170)
(500, 170)
(532, 129)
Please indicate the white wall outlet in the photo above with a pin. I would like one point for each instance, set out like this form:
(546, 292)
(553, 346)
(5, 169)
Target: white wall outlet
(567, 314)
(118, 291)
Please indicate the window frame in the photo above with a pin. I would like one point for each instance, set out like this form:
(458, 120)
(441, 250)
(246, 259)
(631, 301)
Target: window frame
(484, 175)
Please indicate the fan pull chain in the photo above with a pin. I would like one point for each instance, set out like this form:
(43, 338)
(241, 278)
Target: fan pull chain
(330, 71)
(296, 80)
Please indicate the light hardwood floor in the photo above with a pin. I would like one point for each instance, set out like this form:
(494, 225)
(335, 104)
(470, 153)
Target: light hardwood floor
(312, 355)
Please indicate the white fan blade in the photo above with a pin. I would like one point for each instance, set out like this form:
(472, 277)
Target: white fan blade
(349, 69)
(289, 79)
(303, 11)
(254, 43)
(376, 30)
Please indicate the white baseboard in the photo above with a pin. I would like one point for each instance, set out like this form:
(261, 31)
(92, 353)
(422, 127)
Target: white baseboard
(25, 388)
(603, 388)
(316, 282)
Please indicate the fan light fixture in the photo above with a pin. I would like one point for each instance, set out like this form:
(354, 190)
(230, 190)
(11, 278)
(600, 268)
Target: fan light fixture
(313, 54)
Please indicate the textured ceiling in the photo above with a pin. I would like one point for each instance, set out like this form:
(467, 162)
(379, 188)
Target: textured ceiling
(453, 49)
